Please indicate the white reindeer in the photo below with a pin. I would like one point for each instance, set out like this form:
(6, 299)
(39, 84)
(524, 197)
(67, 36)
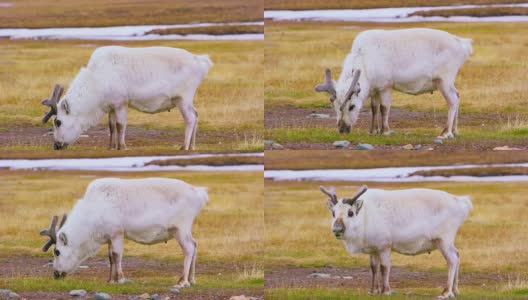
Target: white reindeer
(409, 222)
(413, 61)
(147, 211)
(150, 80)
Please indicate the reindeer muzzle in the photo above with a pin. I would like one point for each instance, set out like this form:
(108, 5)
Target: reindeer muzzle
(59, 146)
(58, 275)
(343, 127)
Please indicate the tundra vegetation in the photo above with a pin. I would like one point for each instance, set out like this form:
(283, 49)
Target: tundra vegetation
(229, 254)
(229, 101)
(299, 242)
(213, 30)
(493, 110)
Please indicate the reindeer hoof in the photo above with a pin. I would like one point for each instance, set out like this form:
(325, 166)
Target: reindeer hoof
(388, 132)
(446, 296)
(182, 284)
(124, 280)
(389, 293)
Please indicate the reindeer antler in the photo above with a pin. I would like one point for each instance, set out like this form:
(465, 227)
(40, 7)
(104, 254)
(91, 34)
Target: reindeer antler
(327, 86)
(331, 193)
(358, 194)
(354, 86)
(52, 102)
(51, 232)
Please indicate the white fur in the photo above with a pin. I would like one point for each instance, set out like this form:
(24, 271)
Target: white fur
(409, 222)
(147, 211)
(412, 61)
(151, 80)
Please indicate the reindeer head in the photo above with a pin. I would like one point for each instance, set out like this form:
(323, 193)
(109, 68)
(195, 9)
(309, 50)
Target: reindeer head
(65, 127)
(347, 105)
(344, 211)
(62, 253)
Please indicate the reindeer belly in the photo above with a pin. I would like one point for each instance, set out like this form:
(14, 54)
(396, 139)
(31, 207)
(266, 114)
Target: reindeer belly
(154, 105)
(148, 236)
(416, 87)
(415, 247)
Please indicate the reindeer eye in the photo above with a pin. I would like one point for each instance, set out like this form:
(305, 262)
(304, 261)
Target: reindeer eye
(333, 214)
(350, 213)
(57, 122)
(351, 107)
(56, 252)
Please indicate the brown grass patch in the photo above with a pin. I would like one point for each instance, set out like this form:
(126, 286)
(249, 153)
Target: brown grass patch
(478, 172)
(474, 12)
(212, 30)
(339, 4)
(320, 159)
(85, 13)
(211, 161)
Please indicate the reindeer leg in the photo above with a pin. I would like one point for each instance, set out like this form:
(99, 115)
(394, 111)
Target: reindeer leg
(385, 96)
(451, 96)
(191, 120)
(374, 268)
(375, 107)
(193, 264)
(117, 255)
(195, 129)
(385, 266)
(113, 269)
(449, 252)
(188, 246)
(112, 126)
(121, 122)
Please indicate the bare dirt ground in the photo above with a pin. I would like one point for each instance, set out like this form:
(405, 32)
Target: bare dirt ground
(290, 116)
(133, 267)
(291, 276)
(27, 135)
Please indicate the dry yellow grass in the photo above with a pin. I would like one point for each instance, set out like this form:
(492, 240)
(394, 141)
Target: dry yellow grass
(492, 239)
(339, 4)
(230, 98)
(491, 81)
(83, 13)
(230, 228)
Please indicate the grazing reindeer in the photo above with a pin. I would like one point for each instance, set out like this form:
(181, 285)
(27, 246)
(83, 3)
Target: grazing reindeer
(410, 222)
(147, 211)
(413, 61)
(150, 80)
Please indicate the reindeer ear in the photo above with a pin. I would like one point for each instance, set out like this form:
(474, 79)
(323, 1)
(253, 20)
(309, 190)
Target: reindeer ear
(63, 238)
(65, 105)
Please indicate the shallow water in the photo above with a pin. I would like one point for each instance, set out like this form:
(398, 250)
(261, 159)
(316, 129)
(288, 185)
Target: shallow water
(390, 14)
(135, 163)
(125, 33)
(400, 174)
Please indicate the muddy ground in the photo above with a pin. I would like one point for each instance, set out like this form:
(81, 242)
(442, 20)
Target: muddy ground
(298, 277)
(134, 268)
(290, 116)
(28, 135)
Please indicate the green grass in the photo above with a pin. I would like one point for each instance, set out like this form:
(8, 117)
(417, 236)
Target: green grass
(416, 293)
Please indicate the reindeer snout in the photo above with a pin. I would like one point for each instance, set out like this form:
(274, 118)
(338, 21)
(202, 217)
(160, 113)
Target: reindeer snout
(59, 275)
(343, 127)
(339, 228)
(59, 146)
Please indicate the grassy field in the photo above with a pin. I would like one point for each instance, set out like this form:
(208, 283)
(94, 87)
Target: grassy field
(339, 4)
(84, 13)
(491, 243)
(320, 159)
(229, 232)
(229, 101)
(491, 84)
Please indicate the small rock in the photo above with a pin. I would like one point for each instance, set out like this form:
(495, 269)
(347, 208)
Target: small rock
(166, 298)
(503, 148)
(341, 144)
(13, 295)
(77, 293)
(4, 292)
(438, 141)
(348, 277)
(84, 135)
(418, 147)
(101, 296)
(145, 296)
(155, 297)
(243, 297)
(430, 149)
(319, 275)
(175, 290)
(277, 146)
(268, 142)
(364, 147)
(408, 147)
(83, 267)
(319, 116)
